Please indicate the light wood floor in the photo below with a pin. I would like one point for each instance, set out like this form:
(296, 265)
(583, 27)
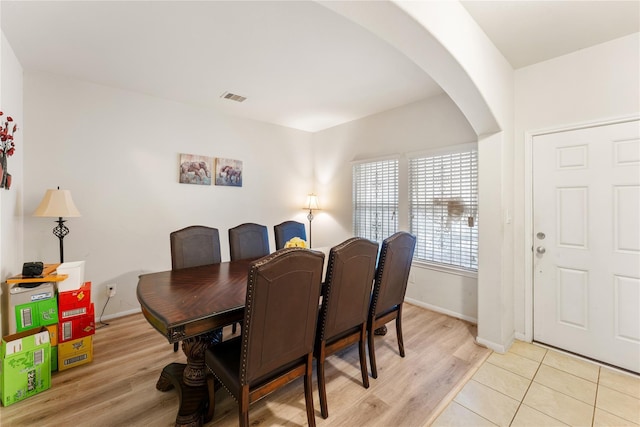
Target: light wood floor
(118, 387)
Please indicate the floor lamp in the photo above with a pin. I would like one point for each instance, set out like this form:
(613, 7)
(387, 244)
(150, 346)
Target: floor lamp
(58, 204)
(312, 204)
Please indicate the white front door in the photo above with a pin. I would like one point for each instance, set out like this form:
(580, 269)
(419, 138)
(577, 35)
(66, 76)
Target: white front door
(586, 242)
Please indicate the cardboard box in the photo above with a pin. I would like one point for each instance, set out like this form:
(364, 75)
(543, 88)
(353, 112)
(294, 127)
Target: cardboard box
(26, 365)
(75, 303)
(75, 353)
(77, 327)
(36, 314)
(54, 358)
(21, 294)
(53, 334)
(75, 275)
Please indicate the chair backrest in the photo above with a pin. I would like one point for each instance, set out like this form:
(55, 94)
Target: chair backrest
(193, 246)
(287, 231)
(281, 311)
(347, 291)
(392, 275)
(248, 241)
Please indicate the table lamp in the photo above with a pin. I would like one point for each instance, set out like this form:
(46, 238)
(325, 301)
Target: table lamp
(312, 204)
(58, 204)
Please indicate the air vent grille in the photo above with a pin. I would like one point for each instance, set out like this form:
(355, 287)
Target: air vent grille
(233, 97)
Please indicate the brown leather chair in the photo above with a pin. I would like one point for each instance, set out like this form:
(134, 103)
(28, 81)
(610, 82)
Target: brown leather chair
(346, 297)
(276, 345)
(288, 230)
(194, 246)
(394, 264)
(248, 241)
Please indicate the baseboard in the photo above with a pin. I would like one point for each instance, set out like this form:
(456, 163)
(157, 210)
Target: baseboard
(498, 348)
(121, 314)
(441, 310)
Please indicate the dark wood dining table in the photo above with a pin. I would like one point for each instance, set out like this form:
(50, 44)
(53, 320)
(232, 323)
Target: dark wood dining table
(188, 306)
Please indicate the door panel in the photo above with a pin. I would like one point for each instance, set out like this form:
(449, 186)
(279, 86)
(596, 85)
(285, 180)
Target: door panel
(586, 201)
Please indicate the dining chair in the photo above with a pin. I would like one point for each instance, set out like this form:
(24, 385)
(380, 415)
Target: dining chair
(389, 288)
(194, 246)
(248, 240)
(346, 296)
(276, 345)
(287, 230)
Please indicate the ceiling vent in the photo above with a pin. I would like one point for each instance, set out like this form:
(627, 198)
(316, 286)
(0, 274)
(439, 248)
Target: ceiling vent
(233, 97)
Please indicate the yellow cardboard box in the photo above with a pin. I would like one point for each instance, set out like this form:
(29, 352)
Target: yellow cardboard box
(75, 353)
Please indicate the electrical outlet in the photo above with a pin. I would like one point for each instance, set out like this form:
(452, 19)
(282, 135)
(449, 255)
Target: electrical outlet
(111, 290)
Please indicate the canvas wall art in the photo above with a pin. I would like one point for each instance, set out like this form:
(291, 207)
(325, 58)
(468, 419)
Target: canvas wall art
(195, 169)
(229, 172)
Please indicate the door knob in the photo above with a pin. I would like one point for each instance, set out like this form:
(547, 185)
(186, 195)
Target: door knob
(540, 250)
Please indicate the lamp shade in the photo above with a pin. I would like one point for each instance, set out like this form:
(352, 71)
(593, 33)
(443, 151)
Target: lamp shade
(57, 203)
(312, 202)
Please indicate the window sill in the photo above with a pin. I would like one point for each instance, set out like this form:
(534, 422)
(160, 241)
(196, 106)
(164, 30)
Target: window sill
(443, 268)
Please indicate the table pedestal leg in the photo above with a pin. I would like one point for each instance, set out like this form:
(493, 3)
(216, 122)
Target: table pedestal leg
(190, 381)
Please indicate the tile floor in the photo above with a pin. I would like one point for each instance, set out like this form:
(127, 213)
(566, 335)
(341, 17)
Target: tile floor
(535, 386)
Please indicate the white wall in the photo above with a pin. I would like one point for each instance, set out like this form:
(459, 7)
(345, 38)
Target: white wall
(588, 86)
(118, 154)
(11, 200)
(432, 123)
(11, 224)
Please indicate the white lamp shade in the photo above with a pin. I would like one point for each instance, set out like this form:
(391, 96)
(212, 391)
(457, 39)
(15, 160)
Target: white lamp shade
(57, 203)
(312, 202)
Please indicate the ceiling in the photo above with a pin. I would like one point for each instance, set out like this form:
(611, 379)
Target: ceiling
(298, 64)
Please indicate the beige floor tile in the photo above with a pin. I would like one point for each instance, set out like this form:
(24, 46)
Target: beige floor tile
(573, 365)
(530, 351)
(605, 419)
(456, 415)
(620, 404)
(559, 406)
(567, 383)
(488, 403)
(515, 363)
(506, 382)
(622, 382)
(529, 417)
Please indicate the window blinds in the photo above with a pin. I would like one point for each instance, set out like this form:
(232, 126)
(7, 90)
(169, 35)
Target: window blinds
(443, 207)
(375, 199)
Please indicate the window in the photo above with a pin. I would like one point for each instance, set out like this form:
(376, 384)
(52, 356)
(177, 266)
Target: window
(443, 207)
(375, 199)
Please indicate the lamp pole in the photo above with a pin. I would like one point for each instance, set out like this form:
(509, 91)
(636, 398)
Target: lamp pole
(60, 231)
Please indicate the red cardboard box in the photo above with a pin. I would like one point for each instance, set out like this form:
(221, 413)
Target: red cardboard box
(74, 303)
(77, 327)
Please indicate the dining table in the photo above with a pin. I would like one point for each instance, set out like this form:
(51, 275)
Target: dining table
(189, 306)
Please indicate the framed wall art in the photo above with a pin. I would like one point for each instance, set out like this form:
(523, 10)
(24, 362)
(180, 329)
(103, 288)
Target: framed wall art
(229, 172)
(195, 169)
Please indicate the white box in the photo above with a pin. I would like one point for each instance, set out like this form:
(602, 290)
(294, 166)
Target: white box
(75, 271)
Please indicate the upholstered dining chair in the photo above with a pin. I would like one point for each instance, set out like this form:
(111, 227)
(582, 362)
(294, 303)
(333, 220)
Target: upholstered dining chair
(248, 240)
(389, 289)
(194, 246)
(346, 297)
(286, 231)
(276, 346)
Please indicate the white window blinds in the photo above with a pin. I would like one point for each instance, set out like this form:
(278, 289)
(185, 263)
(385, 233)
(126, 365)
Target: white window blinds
(375, 199)
(443, 207)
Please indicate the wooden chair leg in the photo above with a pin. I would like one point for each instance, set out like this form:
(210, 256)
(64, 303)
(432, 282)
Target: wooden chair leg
(372, 352)
(233, 328)
(399, 332)
(243, 406)
(308, 392)
(175, 347)
(363, 357)
(322, 391)
(211, 386)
